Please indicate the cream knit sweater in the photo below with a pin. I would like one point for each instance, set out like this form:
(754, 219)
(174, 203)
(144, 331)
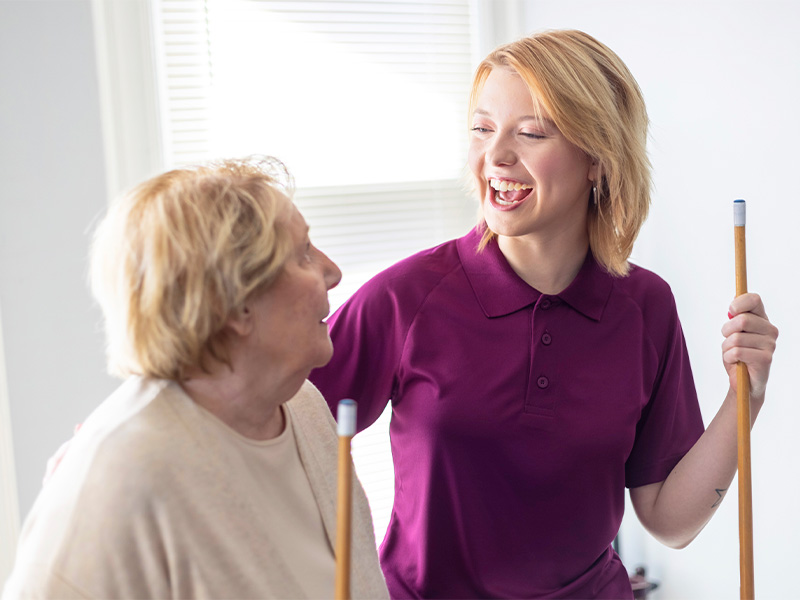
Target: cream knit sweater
(151, 501)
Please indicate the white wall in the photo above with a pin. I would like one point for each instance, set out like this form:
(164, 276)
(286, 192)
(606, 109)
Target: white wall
(9, 502)
(721, 80)
(52, 184)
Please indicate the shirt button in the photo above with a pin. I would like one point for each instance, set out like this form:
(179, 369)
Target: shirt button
(546, 339)
(543, 382)
(545, 304)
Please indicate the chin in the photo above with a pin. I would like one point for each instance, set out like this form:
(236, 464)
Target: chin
(325, 355)
(505, 229)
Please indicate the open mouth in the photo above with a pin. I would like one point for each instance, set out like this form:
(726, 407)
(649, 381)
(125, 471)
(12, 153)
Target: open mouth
(508, 193)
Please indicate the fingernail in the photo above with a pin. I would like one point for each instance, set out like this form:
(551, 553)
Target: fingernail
(730, 316)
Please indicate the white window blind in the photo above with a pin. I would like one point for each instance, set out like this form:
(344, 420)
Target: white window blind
(364, 100)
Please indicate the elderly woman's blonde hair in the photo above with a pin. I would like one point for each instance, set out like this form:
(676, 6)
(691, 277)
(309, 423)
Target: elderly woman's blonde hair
(595, 102)
(180, 254)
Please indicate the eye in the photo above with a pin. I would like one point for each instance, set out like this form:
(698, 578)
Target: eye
(533, 136)
(479, 129)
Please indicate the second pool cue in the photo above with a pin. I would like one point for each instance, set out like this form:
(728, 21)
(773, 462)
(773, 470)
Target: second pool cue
(346, 428)
(746, 575)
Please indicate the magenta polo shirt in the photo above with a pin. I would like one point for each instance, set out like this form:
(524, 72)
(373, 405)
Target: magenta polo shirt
(518, 418)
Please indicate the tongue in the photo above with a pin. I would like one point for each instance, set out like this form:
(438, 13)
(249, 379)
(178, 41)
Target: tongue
(513, 196)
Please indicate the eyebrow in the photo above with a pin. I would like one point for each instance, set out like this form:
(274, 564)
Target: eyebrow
(480, 111)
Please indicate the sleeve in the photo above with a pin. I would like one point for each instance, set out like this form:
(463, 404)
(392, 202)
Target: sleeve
(671, 422)
(368, 334)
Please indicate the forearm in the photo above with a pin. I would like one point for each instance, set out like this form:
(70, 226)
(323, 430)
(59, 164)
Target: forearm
(676, 510)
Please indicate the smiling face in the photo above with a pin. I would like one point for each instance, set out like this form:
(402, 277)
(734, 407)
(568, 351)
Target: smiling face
(531, 179)
(288, 316)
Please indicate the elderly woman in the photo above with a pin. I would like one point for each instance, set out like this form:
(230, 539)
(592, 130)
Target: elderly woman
(211, 472)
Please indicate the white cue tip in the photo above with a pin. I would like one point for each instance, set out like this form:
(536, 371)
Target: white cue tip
(346, 418)
(738, 213)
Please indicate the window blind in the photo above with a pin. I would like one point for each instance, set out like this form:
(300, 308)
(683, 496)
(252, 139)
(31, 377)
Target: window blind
(364, 100)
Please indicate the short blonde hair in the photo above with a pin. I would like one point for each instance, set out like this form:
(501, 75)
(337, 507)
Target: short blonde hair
(175, 258)
(595, 102)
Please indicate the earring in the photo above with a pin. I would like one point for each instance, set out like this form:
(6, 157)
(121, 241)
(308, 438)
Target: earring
(594, 193)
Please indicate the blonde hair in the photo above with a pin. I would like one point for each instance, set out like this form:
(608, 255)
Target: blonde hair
(175, 258)
(595, 102)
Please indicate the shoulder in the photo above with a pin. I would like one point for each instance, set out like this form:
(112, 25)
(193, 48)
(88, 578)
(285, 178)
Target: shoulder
(132, 447)
(146, 433)
(651, 297)
(135, 445)
(415, 276)
(101, 495)
(647, 290)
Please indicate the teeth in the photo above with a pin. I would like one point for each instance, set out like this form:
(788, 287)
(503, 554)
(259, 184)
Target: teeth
(505, 186)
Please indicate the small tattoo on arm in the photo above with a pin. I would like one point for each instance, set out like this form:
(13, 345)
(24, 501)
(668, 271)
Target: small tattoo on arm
(720, 493)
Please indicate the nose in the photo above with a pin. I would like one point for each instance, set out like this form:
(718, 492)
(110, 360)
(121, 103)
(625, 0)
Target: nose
(501, 151)
(331, 273)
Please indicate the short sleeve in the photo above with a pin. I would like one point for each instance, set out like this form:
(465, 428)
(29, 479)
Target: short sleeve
(368, 332)
(671, 421)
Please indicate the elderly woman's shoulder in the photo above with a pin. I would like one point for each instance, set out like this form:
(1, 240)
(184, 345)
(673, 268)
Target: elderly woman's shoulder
(137, 434)
(123, 464)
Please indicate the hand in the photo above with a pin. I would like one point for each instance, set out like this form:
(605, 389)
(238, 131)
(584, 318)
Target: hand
(749, 338)
(55, 460)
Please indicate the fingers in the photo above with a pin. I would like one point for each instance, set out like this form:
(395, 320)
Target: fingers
(755, 355)
(747, 303)
(762, 336)
(749, 323)
(747, 314)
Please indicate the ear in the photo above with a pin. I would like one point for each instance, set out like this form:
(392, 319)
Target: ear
(594, 171)
(241, 322)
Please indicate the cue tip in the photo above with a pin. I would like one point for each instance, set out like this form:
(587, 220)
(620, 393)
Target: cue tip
(739, 213)
(346, 418)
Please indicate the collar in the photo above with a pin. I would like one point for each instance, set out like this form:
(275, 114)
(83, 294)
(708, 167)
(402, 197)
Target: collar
(500, 291)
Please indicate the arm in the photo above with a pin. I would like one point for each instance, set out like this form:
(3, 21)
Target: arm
(676, 510)
(368, 334)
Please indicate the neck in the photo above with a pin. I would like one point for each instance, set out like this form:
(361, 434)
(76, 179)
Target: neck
(547, 265)
(238, 398)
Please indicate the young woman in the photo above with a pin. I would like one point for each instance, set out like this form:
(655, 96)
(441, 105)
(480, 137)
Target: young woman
(533, 372)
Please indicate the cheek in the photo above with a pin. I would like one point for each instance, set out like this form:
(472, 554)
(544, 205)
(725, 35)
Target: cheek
(475, 160)
(563, 169)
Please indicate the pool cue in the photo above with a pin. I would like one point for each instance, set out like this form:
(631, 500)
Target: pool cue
(346, 428)
(746, 579)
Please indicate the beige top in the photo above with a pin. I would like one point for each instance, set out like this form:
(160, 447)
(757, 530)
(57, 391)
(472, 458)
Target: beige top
(156, 498)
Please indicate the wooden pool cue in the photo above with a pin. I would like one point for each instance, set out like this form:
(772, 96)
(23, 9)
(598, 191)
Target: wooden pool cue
(746, 576)
(346, 428)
